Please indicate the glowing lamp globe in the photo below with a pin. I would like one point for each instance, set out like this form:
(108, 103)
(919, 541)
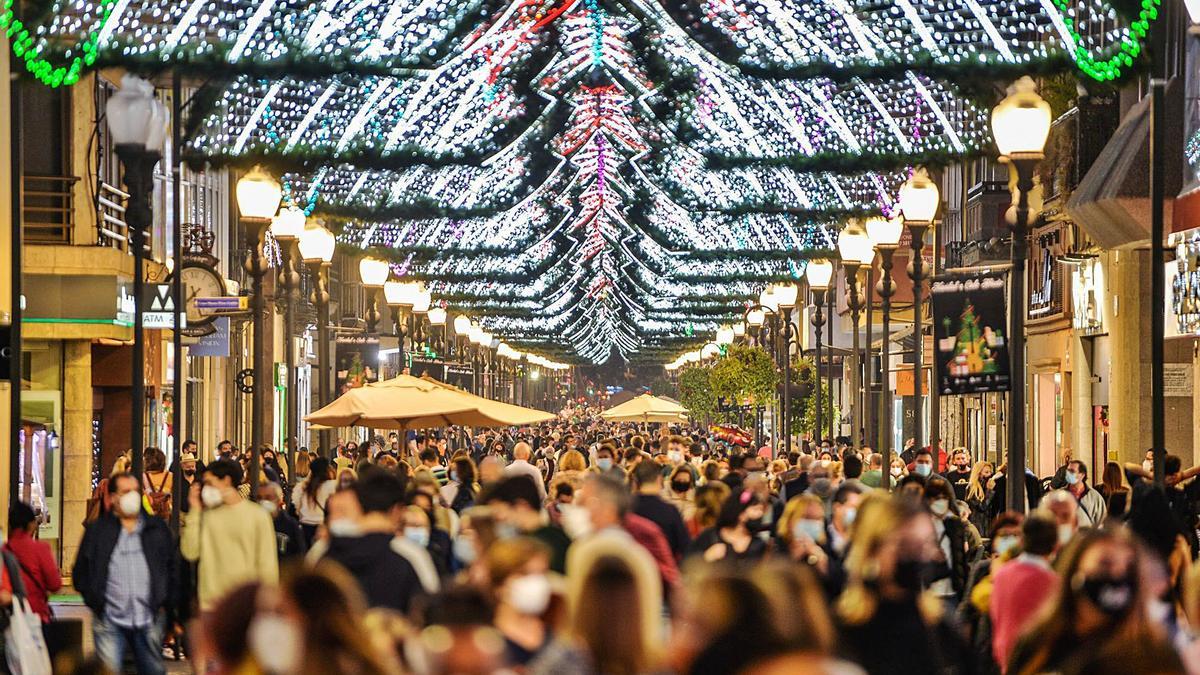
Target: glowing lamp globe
(317, 244)
(767, 299)
(135, 116)
(884, 232)
(819, 273)
(1021, 122)
(724, 335)
(756, 317)
(786, 294)
(437, 316)
(739, 329)
(373, 272)
(855, 246)
(462, 324)
(711, 351)
(288, 224)
(919, 197)
(258, 194)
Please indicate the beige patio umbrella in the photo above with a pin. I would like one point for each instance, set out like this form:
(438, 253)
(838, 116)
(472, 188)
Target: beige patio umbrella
(512, 415)
(407, 402)
(646, 408)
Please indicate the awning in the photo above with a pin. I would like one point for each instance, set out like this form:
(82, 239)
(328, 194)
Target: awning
(1112, 202)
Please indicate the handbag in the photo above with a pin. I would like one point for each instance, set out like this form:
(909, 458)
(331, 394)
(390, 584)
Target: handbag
(24, 646)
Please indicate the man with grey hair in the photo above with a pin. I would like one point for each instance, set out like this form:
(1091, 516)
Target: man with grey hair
(1061, 505)
(289, 538)
(521, 466)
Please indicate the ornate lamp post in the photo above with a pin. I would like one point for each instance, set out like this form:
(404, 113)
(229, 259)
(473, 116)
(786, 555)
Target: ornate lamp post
(855, 248)
(373, 273)
(258, 197)
(919, 203)
(1020, 125)
(287, 227)
(785, 297)
(316, 250)
(819, 274)
(885, 235)
(437, 319)
(138, 124)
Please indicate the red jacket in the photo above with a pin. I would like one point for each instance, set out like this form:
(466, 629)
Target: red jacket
(1019, 589)
(39, 572)
(651, 538)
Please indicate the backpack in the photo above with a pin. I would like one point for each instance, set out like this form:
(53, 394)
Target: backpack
(160, 499)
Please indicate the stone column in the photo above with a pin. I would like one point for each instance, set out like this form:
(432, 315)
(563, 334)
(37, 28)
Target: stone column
(76, 444)
(1129, 386)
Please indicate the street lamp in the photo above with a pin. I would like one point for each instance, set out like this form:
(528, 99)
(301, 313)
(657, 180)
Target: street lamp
(855, 248)
(919, 204)
(286, 227)
(138, 124)
(710, 351)
(885, 236)
(373, 273)
(258, 197)
(316, 250)
(819, 273)
(785, 296)
(1020, 125)
(724, 335)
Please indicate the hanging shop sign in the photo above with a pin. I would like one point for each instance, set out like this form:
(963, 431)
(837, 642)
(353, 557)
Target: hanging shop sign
(971, 350)
(158, 305)
(1183, 285)
(1045, 296)
(1087, 296)
(357, 358)
(214, 344)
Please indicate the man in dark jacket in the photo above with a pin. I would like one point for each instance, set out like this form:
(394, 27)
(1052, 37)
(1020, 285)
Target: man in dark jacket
(649, 504)
(289, 538)
(125, 571)
(391, 570)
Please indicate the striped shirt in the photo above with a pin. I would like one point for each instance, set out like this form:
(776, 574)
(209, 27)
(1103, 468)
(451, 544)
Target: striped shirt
(128, 589)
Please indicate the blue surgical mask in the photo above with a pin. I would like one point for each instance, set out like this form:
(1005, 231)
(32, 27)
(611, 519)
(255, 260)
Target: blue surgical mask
(812, 529)
(464, 550)
(506, 531)
(924, 469)
(605, 463)
(1006, 543)
(1072, 477)
(848, 515)
(417, 535)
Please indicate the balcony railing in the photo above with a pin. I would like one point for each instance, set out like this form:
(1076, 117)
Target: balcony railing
(48, 208)
(111, 229)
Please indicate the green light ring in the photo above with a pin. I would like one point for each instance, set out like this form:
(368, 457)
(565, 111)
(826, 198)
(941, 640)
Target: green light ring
(46, 72)
(1129, 49)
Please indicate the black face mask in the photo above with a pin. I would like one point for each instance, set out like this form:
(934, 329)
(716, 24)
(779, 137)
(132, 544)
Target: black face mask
(1112, 595)
(680, 486)
(913, 574)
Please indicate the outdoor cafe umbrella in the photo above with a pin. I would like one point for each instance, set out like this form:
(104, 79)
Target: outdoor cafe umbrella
(407, 402)
(646, 408)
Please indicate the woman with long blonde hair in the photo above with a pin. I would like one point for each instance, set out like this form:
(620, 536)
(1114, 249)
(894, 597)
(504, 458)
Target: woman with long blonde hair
(888, 623)
(979, 494)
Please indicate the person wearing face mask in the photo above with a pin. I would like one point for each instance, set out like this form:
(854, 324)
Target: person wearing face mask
(518, 511)
(522, 592)
(126, 572)
(952, 541)
(606, 462)
(392, 569)
(289, 539)
(922, 464)
(649, 504)
(974, 612)
(803, 538)
(679, 492)
(843, 512)
(1099, 608)
(231, 539)
(1064, 508)
(1092, 509)
(732, 538)
(959, 473)
(1019, 588)
(887, 624)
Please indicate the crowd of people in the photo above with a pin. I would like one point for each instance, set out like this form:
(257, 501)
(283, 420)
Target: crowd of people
(586, 547)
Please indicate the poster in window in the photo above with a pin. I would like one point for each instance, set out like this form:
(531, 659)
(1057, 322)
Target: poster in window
(970, 335)
(357, 361)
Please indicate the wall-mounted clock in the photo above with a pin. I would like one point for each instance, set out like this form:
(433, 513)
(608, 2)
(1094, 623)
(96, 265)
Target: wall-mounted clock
(200, 281)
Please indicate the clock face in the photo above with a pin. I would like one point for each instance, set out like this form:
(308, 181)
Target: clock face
(200, 282)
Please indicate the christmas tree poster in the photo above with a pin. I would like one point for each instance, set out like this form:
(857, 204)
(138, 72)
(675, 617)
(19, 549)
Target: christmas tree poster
(970, 335)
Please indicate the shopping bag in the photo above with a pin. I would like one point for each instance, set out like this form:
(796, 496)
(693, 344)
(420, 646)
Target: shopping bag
(24, 646)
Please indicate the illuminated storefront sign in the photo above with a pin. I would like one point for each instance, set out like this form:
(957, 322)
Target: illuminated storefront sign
(1087, 296)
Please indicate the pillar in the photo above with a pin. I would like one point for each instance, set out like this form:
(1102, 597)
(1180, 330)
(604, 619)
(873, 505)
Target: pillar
(1129, 387)
(76, 444)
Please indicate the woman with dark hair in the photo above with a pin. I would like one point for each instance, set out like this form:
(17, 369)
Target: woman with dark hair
(157, 482)
(733, 538)
(952, 567)
(462, 487)
(1102, 602)
(310, 496)
(1115, 490)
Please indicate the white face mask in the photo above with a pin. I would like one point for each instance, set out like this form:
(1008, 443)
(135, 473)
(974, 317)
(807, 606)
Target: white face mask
(464, 550)
(939, 507)
(576, 521)
(1006, 543)
(275, 643)
(269, 506)
(1065, 532)
(675, 456)
(529, 594)
(130, 503)
(344, 527)
(211, 496)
